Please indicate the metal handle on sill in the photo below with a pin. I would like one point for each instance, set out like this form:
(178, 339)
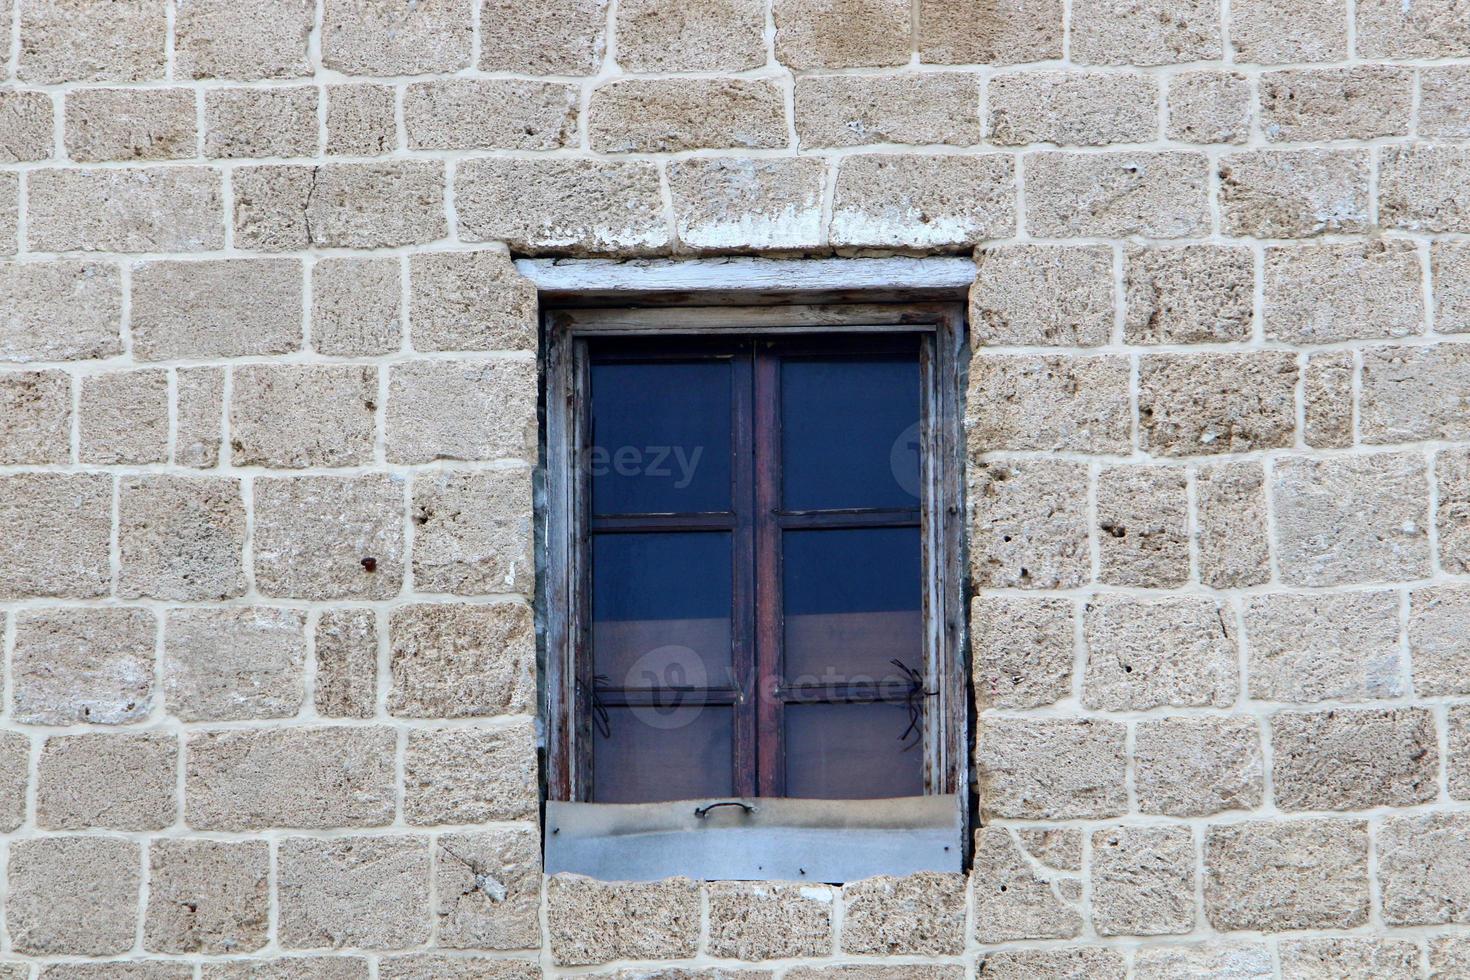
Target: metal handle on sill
(703, 811)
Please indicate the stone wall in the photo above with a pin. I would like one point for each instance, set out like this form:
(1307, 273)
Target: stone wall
(268, 434)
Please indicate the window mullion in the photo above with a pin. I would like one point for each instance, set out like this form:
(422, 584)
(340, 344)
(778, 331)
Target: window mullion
(743, 615)
(767, 445)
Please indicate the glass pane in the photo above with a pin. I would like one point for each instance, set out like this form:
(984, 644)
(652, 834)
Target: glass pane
(851, 752)
(661, 609)
(850, 432)
(851, 605)
(660, 437)
(644, 755)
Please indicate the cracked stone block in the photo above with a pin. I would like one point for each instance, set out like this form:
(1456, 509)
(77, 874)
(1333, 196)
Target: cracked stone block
(223, 39)
(356, 306)
(35, 418)
(1023, 651)
(130, 124)
(552, 37)
(1322, 294)
(1076, 963)
(921, 914)
(469, 410)
(1293, 193)
(290, 777)
(489, 889)
(722, 202)
(1412, 394)
(911, 201)
(1275, 32)
(347, 663)
(72, 896)
(201, 411)
(77, 784)
(1147, 32)
(1049, 295)
(592, 921)
(235, 663)
(368, 892)
(91, 41)
(1421, 868)
(360, 120)
(1300, 105)
(679, 35)
(1116, 195)
(860, 110)
(1321, 864)
(960, 32)
(1051, 769)
(1143, 881)
(207, 896)
(452, 660)
(1232, 529)
(475, 113)
(1072, 108)
(383, 204)
(58, 543)
(472, 532)
(1192, 404)
(1324, 647)
(470, 301)
(132, 209)
(1188, 294)
(261, 122)
(1354, 759)
(83, 666)
(123, 417)
(294, 416)
(217, 308)
(1220, 960)
(1028, 524)
(470, 775)
(1327, 395)
(1349, 956)
(1439, 618)
(1209, 107)
(1143, 653)
(60, 311)
(760, 920)
(1191, 767)
(383, 37)
(1018, 898)
(1047, 401)
(330, 537)
(1143, 526)
(842, 34)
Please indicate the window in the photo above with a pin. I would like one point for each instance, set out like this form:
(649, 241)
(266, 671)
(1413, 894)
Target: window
(754, 564)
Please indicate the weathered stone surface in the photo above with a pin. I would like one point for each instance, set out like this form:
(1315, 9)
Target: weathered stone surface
(261, 122)
(180, 537)
(1351, 519)
(1362, 102)
(77, 784)
(292, 416)
(129, 124)
(1449, 956)
(1452, 474)
(1028, 524)
(885, 200)
(1190, 294)
(1209, 107)
(72, 895)
(1413, 393)
(1049, 401)
(1449, 264)
(1277, 875)
(1042, 294)
(1016, 897)
(379, 37)
(1277, 32)
(1428, 29)
(15, 766)
(289, 777)
(370, 892)
(1354, 759)
(489, 889)
(25, 126)
(552, 37)
(842, 34)
(1057, 848)
(1075, 963)
(1317, 647)
(474, 113)
(1143, 881)
(470, 301)
(959, 32)
(1457, 751)
(1144, 653)
(360, 120)
(1319, 294)
(919, 915)
(385, 204)
(454, 660)
(854, 972)
(222, 39)
(83, 666)
(1443, 91)
(9, 213)
(123, 417)
(858, 110)
(431, 966)
(1220, 960)
(35, 417)
(1344, 956)
(470, 775)
(592, 921)
(1191, 767)
(475, 410)
(548, 205)
(1150, 32)
(666, 115)
(1422, 868)
(1072, 108)
(134, 209)
(224, 308)
(59, 311)
(346, 663)
(1114, 195)
(91, 41)
(1425, 188)
(1293, 193)
(722, 202)
(61, 547)
(1231, 525)
(705, 35)
(291, 968)
(1051, 769)
(1023, 650)
(1327, 396)
(759, 920)
(234, 663)
(329, 537)
(356, 306)
(1143, 526)
(1438, 620)
(110, 970)
(207, 896)
(473, 532)
(201, 397)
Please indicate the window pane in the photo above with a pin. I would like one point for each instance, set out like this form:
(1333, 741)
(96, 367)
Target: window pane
(660, 437)
(851, 752)
(850, 433)
(653, 754)
(851, 604)
(661, 609)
